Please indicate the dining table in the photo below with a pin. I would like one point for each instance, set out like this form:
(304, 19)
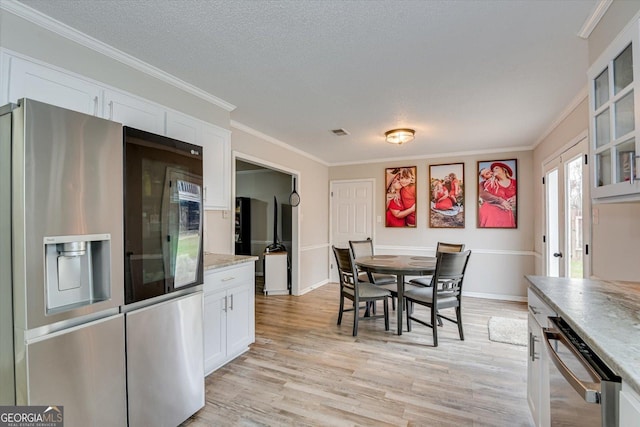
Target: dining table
(400, 266)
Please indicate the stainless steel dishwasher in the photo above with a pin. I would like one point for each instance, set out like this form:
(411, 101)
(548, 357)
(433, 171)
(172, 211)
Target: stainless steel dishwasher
(583, 390)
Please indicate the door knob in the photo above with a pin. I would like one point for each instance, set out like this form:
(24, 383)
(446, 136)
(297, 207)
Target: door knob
(558, 254)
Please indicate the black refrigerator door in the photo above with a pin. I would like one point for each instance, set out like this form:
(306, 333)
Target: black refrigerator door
(163, 215)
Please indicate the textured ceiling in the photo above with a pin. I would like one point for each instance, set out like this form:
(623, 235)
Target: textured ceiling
(467, 75)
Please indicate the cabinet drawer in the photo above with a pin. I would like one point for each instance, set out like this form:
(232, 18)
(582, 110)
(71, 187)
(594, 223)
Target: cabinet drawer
(538, 308)
(228, 277)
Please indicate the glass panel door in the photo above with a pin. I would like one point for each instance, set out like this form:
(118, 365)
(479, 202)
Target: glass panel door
(567, 219)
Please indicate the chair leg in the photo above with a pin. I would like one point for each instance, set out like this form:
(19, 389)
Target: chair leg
(393, 303)
(409, 310)
(434, 317)
(356, 315)
(459, 319)
(341, 310)
(439, 320)
(386, 314)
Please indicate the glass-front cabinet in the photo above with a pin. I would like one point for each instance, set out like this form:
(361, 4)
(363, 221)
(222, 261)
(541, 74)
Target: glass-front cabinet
(614, 98)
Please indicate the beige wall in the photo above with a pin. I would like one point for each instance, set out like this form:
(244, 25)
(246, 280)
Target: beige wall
(501, 258)
(313, 211)
(616, 233)
(619, 14)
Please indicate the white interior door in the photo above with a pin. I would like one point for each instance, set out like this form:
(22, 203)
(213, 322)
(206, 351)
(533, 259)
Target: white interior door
(567, 213)
(351, 214)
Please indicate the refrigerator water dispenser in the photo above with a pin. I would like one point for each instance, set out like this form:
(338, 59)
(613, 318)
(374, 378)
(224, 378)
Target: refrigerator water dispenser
(77, 271)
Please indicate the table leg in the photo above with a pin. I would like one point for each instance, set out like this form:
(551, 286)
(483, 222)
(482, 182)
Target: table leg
(400, 304)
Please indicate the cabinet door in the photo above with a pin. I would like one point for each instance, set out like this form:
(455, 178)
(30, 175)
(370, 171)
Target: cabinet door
(215, 327)
(133, 112)
(240, 319)
(183, 128)
(40, 83)
(533, 369)
(217, 167)
(614, 80)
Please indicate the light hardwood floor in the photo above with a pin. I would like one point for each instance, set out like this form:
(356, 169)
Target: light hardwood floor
(304, 370)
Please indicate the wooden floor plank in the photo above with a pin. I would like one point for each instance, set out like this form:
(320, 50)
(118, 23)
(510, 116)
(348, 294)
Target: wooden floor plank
(305, 370)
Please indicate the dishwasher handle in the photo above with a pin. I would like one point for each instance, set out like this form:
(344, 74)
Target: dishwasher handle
(590, 392)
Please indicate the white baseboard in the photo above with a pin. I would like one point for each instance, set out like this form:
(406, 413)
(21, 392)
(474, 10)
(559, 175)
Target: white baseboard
(495, 296)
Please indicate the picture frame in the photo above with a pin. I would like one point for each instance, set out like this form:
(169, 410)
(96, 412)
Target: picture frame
(497, 194)
(400, 196)
(446, 196)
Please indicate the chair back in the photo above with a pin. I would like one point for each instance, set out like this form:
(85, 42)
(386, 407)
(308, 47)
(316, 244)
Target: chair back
(449, 273)
(361, 248)
(346, 270)
(449, 247)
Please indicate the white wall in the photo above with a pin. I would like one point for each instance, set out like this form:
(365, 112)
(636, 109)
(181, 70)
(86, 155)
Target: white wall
(21, 36)
(500, 257)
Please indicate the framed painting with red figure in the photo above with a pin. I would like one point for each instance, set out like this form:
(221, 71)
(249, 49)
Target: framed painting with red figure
(498, 194)
(446, 196)
(400, 196)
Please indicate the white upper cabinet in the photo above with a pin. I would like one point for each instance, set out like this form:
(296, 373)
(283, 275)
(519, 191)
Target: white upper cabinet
(217, 167)
(40, 83)
(22, 78)
(183, 127)
(216, 154)
(133, 112)
(614, 98)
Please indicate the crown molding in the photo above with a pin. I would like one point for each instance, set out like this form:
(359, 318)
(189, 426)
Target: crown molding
(264, 136)
(57, 27)
(594, 18)
(438, 155)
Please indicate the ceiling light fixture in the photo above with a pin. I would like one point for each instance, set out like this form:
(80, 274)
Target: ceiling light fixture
(399, 136)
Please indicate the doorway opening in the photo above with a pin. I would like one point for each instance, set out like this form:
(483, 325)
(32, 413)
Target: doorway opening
(266, 224)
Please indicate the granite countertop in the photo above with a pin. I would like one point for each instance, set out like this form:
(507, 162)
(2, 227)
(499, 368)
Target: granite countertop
(605, 314)
(213, 261)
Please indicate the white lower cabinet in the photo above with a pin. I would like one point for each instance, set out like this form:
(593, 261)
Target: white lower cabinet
(537, 369)
(229, 314)
(629, 407)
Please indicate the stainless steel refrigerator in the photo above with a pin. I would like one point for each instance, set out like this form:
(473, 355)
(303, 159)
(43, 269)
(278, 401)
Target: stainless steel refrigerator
(62, 336)
(163, 259)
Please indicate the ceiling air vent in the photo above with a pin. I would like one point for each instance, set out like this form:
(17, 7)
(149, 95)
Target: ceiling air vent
(340, 132)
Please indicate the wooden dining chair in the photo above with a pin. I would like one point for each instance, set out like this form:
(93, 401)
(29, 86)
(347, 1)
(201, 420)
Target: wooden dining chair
(358, 291)
(361, 248)
(440, 248)
(446, 292)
